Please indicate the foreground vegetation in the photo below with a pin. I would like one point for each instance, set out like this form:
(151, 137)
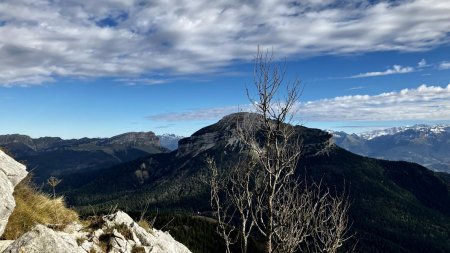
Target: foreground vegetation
(35, 207)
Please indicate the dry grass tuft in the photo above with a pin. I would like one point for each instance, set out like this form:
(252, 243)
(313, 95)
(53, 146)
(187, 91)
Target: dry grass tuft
(94, 222)
(145, 224)
(33, 207)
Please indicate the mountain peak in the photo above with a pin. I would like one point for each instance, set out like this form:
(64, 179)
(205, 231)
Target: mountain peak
(170, 141)
(423, 144)
(432, 129)
(135, 139)
(223, 135)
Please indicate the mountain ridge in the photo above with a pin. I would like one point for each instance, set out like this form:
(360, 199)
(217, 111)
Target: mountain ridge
(396, 206)
(437, 128)
(423, 144)
(53, 156)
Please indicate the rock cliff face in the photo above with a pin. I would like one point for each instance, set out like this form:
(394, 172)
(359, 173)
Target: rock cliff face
(134, 139)
(11, 173)
(223, 133)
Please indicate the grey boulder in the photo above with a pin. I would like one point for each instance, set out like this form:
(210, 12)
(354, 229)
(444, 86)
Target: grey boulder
(42, 239)
(11, 173)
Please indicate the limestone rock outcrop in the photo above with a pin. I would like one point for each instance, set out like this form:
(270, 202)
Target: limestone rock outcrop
(43, 239)
(115, 233)
(119, 233)
(11, 173)
(4, 244)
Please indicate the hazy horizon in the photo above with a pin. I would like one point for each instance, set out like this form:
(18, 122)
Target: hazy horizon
(343, 128)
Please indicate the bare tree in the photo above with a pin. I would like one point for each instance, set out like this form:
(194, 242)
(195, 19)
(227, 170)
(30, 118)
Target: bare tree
(260, 195)
(53, 182)
(237, 205)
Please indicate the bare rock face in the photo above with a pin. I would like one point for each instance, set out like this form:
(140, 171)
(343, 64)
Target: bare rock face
(223, 133)
(115, 233)
(124, 235)
(14, 170)
(42, 239)
(11, 173)
(4, 244)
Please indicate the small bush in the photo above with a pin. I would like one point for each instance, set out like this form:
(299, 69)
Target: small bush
(34, 207)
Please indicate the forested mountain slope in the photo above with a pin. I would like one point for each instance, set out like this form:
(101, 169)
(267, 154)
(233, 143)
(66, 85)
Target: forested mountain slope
(395, 206)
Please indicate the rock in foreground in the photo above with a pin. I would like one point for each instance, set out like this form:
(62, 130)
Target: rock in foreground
(11, 173)
(111, 233)
(43, 239)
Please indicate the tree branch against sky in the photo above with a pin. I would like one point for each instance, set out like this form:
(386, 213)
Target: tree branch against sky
(261, 196)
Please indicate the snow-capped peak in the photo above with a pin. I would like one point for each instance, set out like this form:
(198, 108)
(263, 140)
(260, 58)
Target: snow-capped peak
(436, 129)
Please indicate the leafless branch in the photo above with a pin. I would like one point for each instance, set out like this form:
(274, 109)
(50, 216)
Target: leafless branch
(259, 195)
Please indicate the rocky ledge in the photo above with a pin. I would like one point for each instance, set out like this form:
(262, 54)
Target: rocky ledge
(115, 233)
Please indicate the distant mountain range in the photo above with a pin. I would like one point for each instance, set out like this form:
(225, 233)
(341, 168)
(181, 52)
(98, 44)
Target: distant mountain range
(395, 206)
(422, 144)
(169, 141)
(53, 156)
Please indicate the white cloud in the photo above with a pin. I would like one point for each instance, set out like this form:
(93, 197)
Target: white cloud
(142, 81)
(396, 69)
(422, 103)
(444, 65)
(45, 39)
(356, 88)
(200, 114)
(422, 63)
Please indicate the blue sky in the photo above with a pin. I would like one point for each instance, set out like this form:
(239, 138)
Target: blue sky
(105, 67)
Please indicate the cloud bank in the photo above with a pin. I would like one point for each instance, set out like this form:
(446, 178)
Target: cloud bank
(45, 39)
(422, 103)
(396, 69)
